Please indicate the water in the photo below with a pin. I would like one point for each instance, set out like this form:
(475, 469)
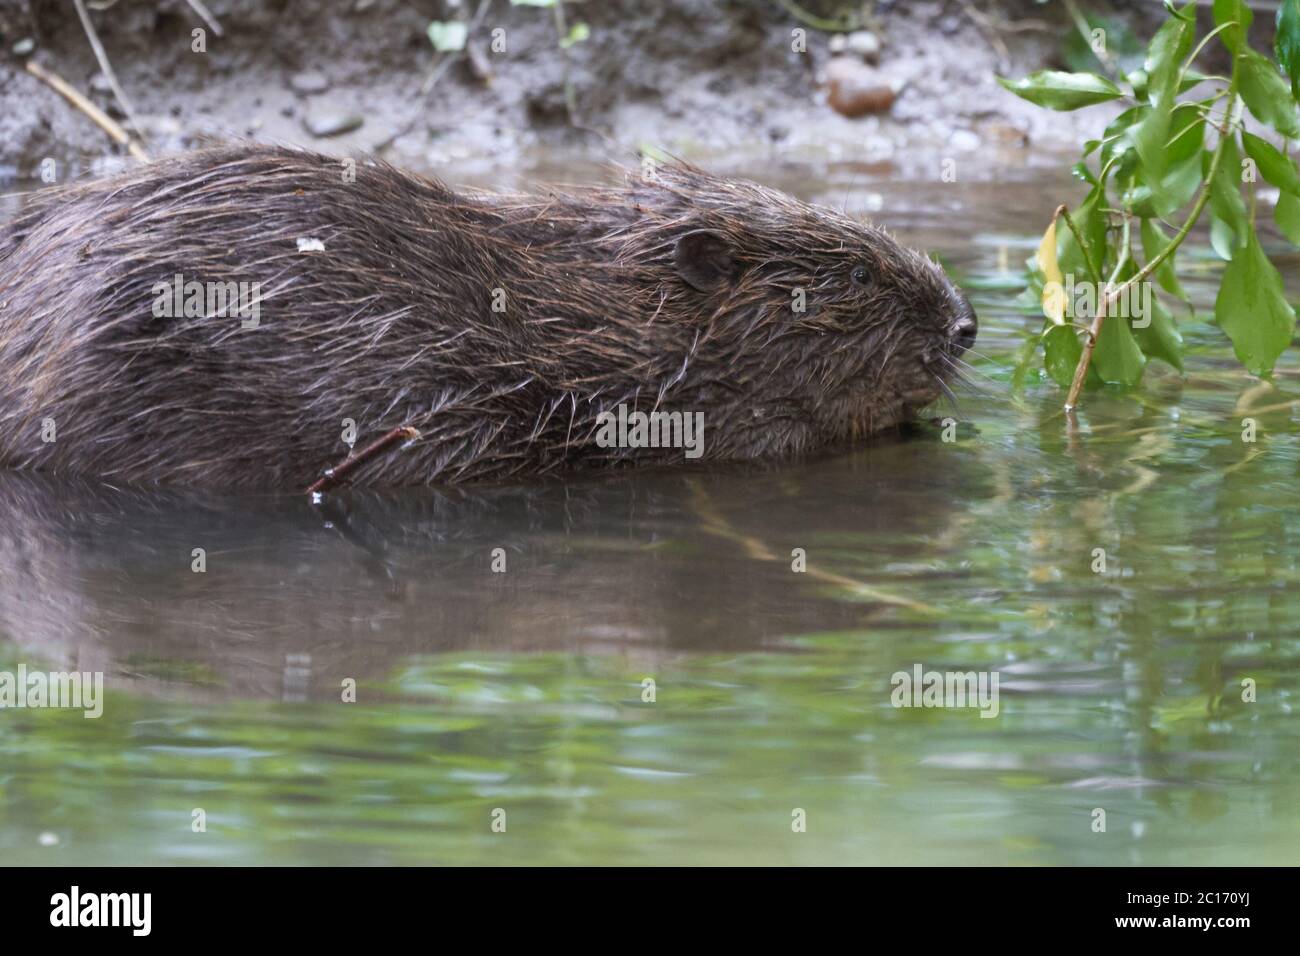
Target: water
(524, 692)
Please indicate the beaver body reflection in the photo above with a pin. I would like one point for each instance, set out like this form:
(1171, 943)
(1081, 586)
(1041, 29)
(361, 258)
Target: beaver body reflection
(97, 577)
(222, 318)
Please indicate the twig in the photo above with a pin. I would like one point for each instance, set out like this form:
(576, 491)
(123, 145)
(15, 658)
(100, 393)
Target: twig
(562, 32)
(440, 68)
(985, 25)
(98, 116)
(106, 66)
(339, 472)
(1085, 32)
(205, 15)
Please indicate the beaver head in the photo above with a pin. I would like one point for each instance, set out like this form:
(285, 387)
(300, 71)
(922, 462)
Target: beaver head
(796, 327)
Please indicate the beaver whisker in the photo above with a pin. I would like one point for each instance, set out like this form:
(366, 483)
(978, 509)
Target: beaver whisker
(950, 396)
(967, 375)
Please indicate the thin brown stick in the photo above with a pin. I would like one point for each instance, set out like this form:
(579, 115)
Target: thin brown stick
(205, 15)
(97, 116)
(339, 472)
(101, 56)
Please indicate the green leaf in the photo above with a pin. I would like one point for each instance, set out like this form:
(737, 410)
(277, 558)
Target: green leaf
(1061, 353)
(1253, 310)
(1056, 90)
(1287, 43)
(1183, 168)
(1226, 203)
(577, 33)
(1229, 11)
(1275, 165)
(1287, 216)
(1092, 226)
(1176, 190)
(1190, 79)
(449, 36)
(1121, 44)
(1223, 238)
(1117, 358)
(1154, 241)
(1187, 133)
(1149, 138)
(1169, 48)
(1267, 94)
(1160, 339)
(1113, 139)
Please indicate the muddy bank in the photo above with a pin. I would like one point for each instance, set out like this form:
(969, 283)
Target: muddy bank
(706, 79)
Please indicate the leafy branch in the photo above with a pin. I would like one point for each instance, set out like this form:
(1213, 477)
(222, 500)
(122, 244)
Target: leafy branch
(1152, 161)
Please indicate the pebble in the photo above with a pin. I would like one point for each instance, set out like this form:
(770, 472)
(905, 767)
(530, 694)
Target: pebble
(865, 44)
(328, 121)
(861, 43)
(309, 82)
(964, 140)
(855, 89)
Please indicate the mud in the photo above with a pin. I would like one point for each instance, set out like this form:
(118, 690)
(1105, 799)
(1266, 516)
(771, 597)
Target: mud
(705, 79)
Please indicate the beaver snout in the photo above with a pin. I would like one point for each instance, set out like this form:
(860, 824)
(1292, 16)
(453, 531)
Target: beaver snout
(966, 327)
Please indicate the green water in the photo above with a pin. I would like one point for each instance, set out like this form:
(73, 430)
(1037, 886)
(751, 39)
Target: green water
(523, 692)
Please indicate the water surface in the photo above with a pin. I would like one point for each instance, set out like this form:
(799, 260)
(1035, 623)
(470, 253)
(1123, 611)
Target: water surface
(525, 691)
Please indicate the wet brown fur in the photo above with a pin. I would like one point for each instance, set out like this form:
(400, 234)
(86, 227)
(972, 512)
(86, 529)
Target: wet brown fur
(673, 294)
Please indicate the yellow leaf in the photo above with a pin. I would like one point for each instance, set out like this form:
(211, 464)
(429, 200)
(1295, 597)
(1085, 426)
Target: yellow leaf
(1053, 289)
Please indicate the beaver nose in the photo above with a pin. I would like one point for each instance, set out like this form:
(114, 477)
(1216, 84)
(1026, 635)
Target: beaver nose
(966, 327)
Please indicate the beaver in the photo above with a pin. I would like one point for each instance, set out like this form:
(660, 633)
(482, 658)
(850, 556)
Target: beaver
(240, 316)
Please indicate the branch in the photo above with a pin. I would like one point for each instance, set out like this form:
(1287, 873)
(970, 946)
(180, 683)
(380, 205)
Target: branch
(1081, 370)
(333, 476)
(97, 116)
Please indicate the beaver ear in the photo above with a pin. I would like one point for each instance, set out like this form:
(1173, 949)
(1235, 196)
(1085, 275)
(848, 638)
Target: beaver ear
(704, 261)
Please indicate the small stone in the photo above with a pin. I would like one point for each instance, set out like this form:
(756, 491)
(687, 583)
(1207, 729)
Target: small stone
(309, 82)
(328, 121)
(864, 43)
(48, 839)
(24, 46)
(963, 140)
(855, 89)
(99, 84)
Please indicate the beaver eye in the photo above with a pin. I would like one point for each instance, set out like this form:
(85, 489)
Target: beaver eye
(860, 277)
